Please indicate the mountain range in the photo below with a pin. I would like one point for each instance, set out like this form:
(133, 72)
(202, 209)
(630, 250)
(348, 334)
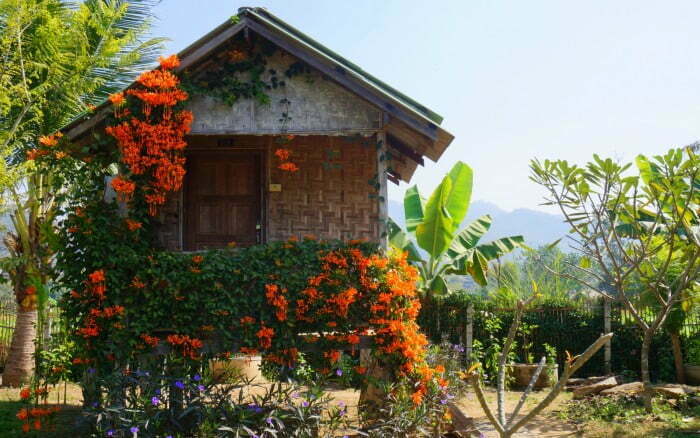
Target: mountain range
(537, 227)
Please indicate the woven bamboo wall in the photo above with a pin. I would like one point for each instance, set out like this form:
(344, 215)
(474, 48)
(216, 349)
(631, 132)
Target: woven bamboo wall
(329, 197)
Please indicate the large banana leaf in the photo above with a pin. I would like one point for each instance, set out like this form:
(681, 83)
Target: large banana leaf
(474, 261)
(445, 210)
(457, 201)
(469, 237)
(499, 247)
(399, 239)
(435, 233)
(413, 206)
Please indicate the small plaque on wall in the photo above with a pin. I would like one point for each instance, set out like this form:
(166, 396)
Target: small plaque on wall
(275, 187)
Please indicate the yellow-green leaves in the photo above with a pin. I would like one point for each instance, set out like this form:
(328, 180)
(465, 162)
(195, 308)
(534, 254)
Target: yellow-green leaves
(445, 210)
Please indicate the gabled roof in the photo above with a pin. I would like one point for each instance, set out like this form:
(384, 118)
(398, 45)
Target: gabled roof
(412, 129)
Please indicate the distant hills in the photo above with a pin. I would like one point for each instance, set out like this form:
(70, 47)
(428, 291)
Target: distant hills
(538, 228)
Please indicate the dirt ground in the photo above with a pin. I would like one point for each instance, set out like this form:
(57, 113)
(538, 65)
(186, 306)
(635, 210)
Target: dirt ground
(543, 425)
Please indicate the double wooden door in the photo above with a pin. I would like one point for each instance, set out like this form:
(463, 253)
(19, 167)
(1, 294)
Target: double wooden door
(223, 199)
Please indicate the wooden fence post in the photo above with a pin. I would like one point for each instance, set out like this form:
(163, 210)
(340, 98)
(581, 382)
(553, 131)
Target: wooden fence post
(607, 329)
(469, 333)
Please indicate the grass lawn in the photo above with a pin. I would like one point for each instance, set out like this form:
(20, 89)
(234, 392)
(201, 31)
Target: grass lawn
(10, 404)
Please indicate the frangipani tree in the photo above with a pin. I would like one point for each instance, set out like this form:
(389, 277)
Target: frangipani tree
(434, 226)
(631, 224)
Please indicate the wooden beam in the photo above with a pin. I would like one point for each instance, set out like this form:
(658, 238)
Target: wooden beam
(392, 178)
(400, 146)
(341, 75)
(193, 56)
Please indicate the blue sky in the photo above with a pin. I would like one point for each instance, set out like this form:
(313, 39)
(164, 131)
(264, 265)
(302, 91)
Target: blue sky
(513, 79)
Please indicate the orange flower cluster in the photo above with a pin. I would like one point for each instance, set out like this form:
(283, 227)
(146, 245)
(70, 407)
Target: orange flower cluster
(265, 335)
(107, 312)
(152, 341)
(37, 414)
(283, 154)
(132, 225)
(189, 347)
(124, 188)
(153, 145)
(275, 297)
(286, 357)
(47, 146)
(247, 320)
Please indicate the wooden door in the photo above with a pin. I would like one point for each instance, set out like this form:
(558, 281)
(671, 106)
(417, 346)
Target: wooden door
(223, 200)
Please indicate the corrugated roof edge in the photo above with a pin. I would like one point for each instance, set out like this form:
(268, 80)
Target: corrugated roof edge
(263, 14)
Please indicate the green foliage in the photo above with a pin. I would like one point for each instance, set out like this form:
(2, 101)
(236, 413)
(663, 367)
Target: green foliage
(564, 327)
(243, 74)
(693, 351)
(434, 225)
(625, 410)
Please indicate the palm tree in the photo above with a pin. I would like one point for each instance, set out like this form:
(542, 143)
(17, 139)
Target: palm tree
(59, 60)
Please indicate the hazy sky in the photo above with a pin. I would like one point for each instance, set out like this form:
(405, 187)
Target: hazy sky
(513, 79)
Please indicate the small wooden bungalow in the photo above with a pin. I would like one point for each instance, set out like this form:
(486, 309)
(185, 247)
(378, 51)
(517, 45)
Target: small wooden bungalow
(349, 134)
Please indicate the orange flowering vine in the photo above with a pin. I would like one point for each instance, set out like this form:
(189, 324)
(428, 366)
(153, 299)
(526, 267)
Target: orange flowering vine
(152, 143)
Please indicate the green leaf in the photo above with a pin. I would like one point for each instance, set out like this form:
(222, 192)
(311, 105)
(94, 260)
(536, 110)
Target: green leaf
(469, 237)
(499, 247)
(435, 233)
(399, 239)
(585, 263)
(458, 199)
(478, 268)
(439, 286)
(413, 205)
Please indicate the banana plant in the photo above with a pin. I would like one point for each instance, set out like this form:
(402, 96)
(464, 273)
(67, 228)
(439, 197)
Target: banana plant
(433, 226)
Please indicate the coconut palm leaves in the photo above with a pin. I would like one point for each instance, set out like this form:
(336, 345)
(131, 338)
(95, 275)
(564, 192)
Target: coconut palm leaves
(434, 226)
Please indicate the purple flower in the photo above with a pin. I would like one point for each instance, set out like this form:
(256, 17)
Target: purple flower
(295, 395)
(338, 372)
(157, 392)
(443, 401)
(341, 405)
(197, 378)
(201, 387)
(155, 401)
(91, 371)
(305, 404)
(134, 429)
(179, 384)
(110, 432)
(94, 405)
(269, 421)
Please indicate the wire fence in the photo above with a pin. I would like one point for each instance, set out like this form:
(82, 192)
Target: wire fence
(8, 316)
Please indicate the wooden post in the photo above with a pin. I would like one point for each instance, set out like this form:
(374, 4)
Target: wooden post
(382, 192)
(469, 333)
(606, 329)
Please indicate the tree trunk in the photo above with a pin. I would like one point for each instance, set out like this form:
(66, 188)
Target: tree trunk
(19, 367)
(648, 392)
(677, 357)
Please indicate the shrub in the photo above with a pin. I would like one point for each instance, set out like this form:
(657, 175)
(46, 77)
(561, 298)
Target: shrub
(159, 406)
(693, 351)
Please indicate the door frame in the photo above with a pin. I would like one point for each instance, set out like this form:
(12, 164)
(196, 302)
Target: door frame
(187, 243)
